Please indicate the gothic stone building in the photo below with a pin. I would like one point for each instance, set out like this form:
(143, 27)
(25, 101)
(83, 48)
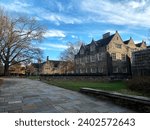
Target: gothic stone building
(107, 56)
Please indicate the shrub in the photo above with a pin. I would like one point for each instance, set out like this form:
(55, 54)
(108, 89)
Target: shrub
(140, 84)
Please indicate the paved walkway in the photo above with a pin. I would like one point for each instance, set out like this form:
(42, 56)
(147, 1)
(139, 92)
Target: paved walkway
(25, 95)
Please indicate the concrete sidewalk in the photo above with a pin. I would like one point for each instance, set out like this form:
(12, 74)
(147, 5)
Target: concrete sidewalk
(25, 96)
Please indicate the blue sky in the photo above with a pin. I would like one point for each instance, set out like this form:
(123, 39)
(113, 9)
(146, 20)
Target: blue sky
(74, 20)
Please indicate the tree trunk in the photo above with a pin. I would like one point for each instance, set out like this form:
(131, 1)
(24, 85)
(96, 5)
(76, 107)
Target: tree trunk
(6, 69)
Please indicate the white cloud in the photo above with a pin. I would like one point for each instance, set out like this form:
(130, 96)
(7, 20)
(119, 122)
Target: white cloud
(137, 4)
(53, 47)
(57, 18)
(74, 36)
(59, 46)
(54, 33)
(17, 6)
(137, 41)
(125, 12)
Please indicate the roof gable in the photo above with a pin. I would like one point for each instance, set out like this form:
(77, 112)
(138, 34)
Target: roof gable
(141, 44)
(130, 43)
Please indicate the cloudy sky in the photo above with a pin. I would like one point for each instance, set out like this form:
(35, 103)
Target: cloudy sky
(74, 20)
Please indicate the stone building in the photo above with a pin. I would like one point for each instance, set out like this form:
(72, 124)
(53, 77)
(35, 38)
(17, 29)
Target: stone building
(51, 67)
(107, 56)
(33, 69)
(141, 63)
(17, 69)
(47, 67)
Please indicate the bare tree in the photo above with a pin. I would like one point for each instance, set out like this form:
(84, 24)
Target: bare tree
(71, 51)
(68, 56)
(16, 39)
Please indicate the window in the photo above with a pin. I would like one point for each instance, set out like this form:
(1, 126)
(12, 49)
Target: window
(86, 70)
(113, 55)
(92, 58)
(99, 57)
(100, 70)
(93, 70)
(78, 71)
(124, 70)
(115, 69)
(55, 65)
(86, 59)
(77, 61)
(92, 48)
(118, 46)
(82, 51)
(81, 71)
(123, 57)
(81, 60)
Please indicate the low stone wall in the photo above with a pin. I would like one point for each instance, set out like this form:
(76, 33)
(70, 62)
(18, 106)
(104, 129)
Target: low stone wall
(137, 103)
(81, 77)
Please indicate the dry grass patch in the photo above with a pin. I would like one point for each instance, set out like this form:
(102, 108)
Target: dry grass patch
(140, 84)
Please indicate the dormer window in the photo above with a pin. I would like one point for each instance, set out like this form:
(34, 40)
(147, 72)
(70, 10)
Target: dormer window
(82, 51)
(92, 48)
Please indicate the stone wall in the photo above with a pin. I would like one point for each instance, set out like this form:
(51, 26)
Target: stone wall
(84, 77)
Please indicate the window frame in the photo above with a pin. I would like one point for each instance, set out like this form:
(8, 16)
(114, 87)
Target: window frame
(113, 55)
(119, 46)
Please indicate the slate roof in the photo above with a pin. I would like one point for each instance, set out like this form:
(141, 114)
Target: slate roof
(138, 44)
(126, 42)
(105, 41)
(99, 43)
(36, 65)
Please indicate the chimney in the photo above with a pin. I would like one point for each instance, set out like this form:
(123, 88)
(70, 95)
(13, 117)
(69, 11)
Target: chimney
(39, 61)
(106, 35)
(47, 58)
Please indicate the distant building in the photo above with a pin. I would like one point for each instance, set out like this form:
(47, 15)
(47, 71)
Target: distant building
(17, 69)
(33, 69)
(141, 62)
(107, 56)
(48, 67)
(51, 67)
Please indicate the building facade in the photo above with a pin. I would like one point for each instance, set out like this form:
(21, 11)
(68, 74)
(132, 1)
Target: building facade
(107, 56)
(17, 69)
(141, 63)
(51, 67)
(48, 67)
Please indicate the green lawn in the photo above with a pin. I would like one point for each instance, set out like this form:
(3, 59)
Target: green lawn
(117, 86)
(76, 85)
(33, 77)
